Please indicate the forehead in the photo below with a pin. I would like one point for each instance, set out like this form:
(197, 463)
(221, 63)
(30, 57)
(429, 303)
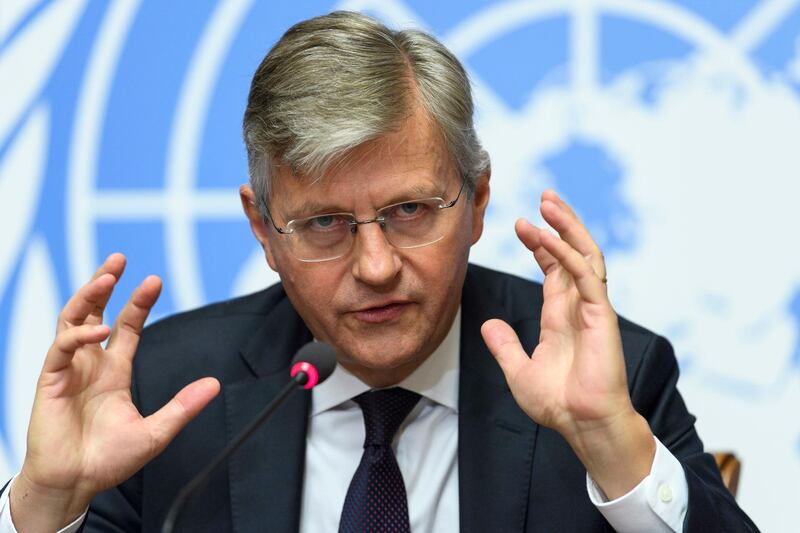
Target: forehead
(410, 162)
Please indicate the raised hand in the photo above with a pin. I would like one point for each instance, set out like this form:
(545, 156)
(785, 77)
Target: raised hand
(85, 434)
(574, 382)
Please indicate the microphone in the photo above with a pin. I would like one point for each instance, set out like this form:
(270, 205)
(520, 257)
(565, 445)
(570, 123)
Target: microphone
(312, 365)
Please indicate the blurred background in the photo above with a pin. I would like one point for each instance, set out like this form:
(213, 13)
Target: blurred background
(673, 127)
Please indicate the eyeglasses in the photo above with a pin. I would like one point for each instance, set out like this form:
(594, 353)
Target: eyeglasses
(409, 224)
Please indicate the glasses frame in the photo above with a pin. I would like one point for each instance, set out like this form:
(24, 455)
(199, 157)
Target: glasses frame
(354, 222)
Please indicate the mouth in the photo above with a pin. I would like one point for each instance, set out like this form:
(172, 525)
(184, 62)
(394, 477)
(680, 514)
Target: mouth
(381, 313)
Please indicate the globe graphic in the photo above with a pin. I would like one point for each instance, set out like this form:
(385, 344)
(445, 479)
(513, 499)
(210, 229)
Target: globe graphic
(671, 128)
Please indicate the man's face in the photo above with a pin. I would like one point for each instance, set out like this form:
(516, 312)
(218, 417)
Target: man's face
(383, 309)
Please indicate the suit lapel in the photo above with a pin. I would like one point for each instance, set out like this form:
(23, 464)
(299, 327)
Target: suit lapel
(496, 439)
(266, 474)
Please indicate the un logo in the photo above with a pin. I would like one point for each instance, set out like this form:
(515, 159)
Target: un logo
(671, 126)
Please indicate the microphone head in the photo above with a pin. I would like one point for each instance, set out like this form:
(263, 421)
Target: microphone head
(317, 360)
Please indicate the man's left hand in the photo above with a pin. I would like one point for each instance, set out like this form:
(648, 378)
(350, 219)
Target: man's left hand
(574, 382)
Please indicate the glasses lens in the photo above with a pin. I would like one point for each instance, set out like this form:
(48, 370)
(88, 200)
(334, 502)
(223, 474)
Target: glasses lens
(413, 224)
(321, 238)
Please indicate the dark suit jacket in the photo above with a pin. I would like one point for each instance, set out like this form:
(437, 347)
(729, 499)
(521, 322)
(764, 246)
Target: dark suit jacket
(514, 475)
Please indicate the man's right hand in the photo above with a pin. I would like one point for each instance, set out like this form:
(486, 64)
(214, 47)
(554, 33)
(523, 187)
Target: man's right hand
(85, 433)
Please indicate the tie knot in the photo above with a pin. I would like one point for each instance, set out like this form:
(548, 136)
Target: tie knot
(384, 410)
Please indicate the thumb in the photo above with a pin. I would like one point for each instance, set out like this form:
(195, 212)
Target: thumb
(165, 423)
(504, 344)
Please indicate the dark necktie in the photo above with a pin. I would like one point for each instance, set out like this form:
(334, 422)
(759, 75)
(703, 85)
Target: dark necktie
(376, 500)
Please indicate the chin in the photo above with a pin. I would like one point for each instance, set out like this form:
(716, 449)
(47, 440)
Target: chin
(384, 352)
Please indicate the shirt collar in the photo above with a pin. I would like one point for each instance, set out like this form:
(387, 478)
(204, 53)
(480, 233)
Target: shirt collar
(436, 378)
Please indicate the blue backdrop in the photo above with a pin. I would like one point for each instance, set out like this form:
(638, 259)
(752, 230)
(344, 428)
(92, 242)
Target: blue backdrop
(672, 126)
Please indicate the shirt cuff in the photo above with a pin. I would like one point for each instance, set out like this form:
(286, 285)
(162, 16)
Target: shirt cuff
(658, 503)
(7, 525)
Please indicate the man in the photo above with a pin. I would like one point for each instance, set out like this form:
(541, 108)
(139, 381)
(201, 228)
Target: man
(368, 188)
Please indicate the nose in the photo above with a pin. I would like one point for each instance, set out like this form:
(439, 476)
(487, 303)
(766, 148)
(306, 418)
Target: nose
(375, 261)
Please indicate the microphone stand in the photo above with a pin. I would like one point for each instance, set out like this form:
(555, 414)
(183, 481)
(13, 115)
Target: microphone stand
(300, 379)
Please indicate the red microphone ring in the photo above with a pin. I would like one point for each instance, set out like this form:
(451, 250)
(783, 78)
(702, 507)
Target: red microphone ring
(310, 370)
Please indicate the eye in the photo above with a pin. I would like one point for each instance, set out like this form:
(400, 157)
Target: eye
(409, 208)
(408, 211)
(324, 223)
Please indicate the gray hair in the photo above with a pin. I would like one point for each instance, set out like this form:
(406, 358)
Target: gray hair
(334, 82)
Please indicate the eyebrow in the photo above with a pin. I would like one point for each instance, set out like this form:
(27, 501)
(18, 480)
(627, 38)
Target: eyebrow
(312, 207)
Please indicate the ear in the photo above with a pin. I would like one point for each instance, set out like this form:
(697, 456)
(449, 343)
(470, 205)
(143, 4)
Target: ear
(262, 232)
(480, 199)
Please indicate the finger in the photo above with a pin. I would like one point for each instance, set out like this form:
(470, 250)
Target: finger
(86, 300)
(569, 226)
(165, 423)
(590, 286)
(551, 195)
(564, 220)
(530, 236)
(114, 265)
(67, 343)
(130, 321)
(504, 344)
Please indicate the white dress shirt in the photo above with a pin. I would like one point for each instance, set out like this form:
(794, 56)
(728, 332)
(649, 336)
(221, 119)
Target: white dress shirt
(426, 447)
